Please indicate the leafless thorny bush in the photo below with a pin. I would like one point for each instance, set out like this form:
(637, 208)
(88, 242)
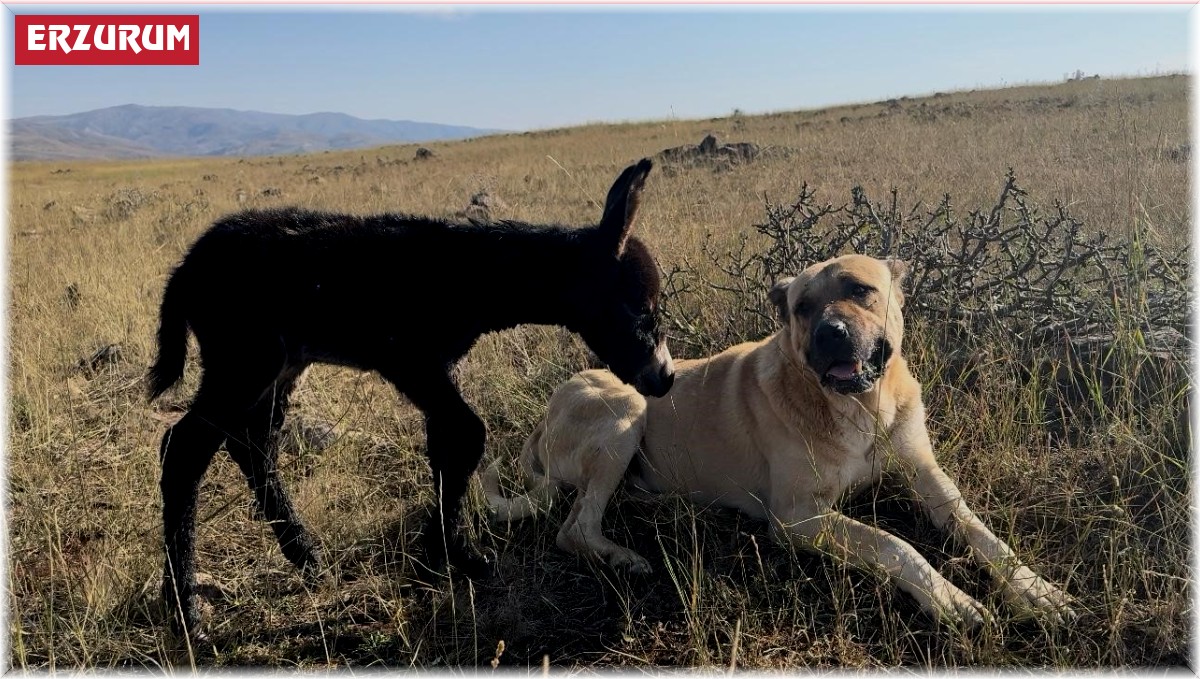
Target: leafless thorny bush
(124, 203)
(1012, 271)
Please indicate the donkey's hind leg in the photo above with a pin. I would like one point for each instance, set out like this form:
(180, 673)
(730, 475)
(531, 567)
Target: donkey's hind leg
(256, 451)
(187, 449)
(228, 390)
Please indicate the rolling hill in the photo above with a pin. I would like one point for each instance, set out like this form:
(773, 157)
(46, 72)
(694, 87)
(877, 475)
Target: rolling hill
(133, 131)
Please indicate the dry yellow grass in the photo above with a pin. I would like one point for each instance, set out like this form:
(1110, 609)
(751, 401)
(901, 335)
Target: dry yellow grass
(91, 243)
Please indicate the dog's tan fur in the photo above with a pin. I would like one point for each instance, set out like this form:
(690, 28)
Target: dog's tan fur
(754, 428)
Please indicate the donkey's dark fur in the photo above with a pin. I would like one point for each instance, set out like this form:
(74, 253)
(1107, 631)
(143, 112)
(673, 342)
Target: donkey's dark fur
(268, 292)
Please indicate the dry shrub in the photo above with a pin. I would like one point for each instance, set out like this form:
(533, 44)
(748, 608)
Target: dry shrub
(124, 203)
(1010, 271)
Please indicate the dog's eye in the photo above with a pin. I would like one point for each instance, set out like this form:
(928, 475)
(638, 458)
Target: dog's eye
(860, 290)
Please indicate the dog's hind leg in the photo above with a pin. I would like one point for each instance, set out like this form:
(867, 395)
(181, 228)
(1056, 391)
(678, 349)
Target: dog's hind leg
(540, 487)
(604, 468)
(256, 451)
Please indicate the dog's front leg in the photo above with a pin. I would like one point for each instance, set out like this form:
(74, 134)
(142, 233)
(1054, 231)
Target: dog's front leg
(1021, 586)
(945, 505)
(870, 548)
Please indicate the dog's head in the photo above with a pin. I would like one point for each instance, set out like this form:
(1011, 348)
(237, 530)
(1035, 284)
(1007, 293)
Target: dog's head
(842, 319)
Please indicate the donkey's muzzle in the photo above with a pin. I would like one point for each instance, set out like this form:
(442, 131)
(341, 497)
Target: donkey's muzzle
(656, 379)
(658, 386)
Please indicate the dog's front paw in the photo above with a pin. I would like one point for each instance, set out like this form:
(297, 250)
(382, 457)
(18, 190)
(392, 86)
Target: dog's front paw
(954, 607)
(630, 562)
(1031, 594)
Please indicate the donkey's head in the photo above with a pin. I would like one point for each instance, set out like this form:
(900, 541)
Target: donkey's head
(622, 323)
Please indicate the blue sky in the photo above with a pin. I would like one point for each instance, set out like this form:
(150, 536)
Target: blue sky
(536, 67)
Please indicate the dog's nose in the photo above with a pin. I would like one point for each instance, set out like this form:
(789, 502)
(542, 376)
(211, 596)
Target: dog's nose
(831, 334)
(833, 330)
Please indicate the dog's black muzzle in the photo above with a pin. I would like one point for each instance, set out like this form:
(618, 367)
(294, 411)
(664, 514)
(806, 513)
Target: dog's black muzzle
(846, 364)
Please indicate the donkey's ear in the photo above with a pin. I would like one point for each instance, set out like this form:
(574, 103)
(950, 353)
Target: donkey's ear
(778, 297)
(620, 209)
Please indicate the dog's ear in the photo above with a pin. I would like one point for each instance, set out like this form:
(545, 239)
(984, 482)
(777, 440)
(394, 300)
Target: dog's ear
(620, 208)
(778, 297)
(899, 269)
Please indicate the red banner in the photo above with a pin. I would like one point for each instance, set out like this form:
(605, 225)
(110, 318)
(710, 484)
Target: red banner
(107, 40)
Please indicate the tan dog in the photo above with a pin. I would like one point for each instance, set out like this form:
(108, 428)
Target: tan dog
(779, 429)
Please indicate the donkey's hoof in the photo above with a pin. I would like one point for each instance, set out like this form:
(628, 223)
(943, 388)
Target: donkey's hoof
(188, 635)
(435, 555)
(312, 569)
(640, 567)
(472, 565)
(197, 639)
(317, 577)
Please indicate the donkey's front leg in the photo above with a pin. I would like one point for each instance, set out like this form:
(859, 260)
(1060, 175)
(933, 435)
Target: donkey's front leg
(455, 439)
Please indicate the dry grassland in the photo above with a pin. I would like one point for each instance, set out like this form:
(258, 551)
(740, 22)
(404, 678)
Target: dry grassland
(1103, 511)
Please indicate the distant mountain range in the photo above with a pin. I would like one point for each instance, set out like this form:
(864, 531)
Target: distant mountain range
(133, 131)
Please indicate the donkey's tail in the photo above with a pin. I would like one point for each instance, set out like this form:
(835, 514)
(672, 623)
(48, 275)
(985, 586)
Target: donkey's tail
(540, 488)
(172, 339)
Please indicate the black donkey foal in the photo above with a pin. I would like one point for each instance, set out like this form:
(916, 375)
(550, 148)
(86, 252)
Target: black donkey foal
(269, 292)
